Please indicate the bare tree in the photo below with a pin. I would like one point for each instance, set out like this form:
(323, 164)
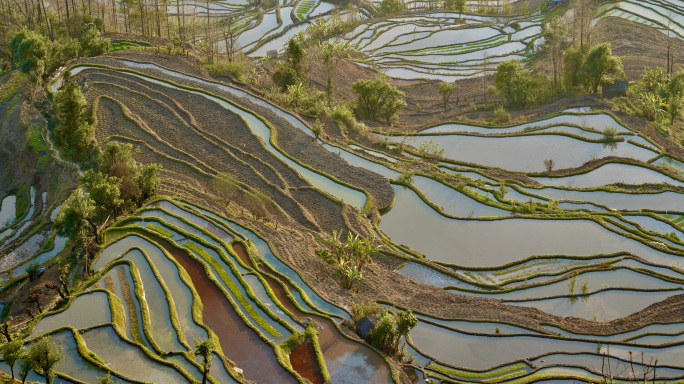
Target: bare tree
(230, 38)
(485, 66)
(156, 6)
(34, 298)
(670, 53)
(555, 32)
(5, 331)
(548, 163)
(583, 12)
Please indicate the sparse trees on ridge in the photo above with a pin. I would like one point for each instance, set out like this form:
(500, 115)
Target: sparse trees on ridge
(446, 89)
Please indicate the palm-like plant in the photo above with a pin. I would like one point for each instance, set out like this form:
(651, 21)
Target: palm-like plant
(652, 105)
(351, 256)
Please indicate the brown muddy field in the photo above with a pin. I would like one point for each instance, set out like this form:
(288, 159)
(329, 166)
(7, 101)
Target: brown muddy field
(258, 362)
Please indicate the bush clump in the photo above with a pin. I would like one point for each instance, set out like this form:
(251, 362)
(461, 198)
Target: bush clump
(501, 115)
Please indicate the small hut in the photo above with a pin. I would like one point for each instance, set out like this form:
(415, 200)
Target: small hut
(617, 89)
(365, 326)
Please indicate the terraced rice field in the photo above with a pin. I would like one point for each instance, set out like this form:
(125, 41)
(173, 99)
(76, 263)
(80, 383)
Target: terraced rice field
(443, 45)
(304, 7)
(518, 272)
(175, 271)
(659, 14)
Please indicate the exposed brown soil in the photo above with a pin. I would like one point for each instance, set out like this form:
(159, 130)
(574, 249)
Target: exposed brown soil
(631, 41)
(314, 206)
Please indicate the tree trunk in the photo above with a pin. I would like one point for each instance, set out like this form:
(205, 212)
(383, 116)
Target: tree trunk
(114, 15)
(49, 23)
(96, 230)
(142, 16)
(156, 4)
(5, 332)
(65, 286)
(178, 17)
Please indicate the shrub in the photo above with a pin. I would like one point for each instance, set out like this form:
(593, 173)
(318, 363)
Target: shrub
(33, 271)
(344, 116)
(572, 283)
(237, 68)
(92, 44)
(390, 7)
(651, 106)
(430, 149)
(549, 163)
(405, 179)
(317, 128)
(285, 77)
(610, 134)
(32, 51)
(501, 115)
(654, 79)
(377, 98)
(361, 310)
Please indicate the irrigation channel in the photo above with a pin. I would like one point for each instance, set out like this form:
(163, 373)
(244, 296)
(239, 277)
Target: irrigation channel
(175, 272)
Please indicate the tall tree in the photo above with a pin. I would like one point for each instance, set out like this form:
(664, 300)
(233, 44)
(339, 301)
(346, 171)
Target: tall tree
(74, 131)
(600, 67)
(675, 96)
(12, 352)
(584, 10)
(331, 52)
(555, 32)
(44, 356)
(670, 53)
(205, 348)
(446, 89)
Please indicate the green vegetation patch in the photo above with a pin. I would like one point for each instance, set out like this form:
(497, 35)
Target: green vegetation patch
(489, 374)
(12, 86)
(36, 142)
(159, 230)
(234, 289)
